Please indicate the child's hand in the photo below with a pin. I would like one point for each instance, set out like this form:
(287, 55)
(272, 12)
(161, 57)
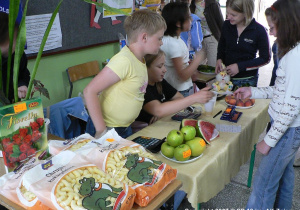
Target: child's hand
(153, 120)
(263, 148)
(99, 134)
(22, 90)
(204, 95)
(219, 66)
(232, 69)
(242, 93)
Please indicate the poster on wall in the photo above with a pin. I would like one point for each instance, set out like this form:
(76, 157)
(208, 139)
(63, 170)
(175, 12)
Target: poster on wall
(97, 11)
(4, 7)
(35, 29)
(147, 4)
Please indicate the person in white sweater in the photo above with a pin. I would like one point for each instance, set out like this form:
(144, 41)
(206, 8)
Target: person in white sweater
(274, 179)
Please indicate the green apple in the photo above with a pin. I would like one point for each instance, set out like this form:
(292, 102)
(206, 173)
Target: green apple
(182, 152)
(167, 150)
(197, 146)
(175, 138)
(189, 132)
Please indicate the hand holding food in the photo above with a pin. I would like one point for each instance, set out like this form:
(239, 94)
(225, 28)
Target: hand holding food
(243, 93)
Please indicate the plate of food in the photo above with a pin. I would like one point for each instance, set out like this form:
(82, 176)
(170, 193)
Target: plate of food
(205, 69)
(192, 159)
(246, 103)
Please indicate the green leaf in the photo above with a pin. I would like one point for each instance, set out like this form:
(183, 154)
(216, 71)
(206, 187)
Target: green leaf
(1, 84)
(39, 55)
(16, 151)
(39, 87)
(19, 50)
(12, 16)
(3, 100)
(105, 6)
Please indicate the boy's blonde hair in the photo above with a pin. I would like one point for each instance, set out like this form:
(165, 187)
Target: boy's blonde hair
(144, 20)
(242, 6)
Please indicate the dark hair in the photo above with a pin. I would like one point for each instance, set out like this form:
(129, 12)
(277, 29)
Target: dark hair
(271, 13)
(4, 32)
(3, 27)
(173, 13)
(287, 23)
(193, 6)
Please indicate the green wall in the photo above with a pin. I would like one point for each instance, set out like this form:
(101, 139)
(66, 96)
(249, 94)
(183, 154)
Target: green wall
(52, 70)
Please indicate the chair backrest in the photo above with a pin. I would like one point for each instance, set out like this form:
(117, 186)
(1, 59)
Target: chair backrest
(82, 71)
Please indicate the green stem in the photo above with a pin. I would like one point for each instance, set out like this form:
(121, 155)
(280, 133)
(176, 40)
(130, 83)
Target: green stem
(39, 55)
(19, 50)
(12, 16)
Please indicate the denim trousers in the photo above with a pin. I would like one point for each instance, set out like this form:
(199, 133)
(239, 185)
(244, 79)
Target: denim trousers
(124, 132)
(187, 92)
(251, 81)
(274, 180)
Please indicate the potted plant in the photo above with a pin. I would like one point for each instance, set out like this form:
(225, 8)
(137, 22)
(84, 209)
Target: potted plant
(22, 130)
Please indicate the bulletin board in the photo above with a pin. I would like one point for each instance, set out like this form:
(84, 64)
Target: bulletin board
(75, 24)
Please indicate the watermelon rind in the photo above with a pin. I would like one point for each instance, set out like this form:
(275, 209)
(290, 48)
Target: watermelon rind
(191, 122)
(201, 134)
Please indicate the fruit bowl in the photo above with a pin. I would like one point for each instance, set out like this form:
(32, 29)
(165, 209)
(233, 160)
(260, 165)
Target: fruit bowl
(192, 159)
(246, 103)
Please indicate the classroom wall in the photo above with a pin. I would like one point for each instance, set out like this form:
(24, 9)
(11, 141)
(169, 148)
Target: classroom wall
(52, 70)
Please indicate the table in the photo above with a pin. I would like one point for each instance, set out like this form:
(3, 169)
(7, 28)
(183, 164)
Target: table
(157, 202)
(205, 177)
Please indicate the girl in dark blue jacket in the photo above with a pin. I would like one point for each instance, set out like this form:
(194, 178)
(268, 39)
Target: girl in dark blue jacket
(241, 38)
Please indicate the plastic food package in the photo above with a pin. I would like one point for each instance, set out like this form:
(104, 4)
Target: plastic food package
(56, 146)
(12, 188)
(129, 163)
(22, 132)
(69, 181)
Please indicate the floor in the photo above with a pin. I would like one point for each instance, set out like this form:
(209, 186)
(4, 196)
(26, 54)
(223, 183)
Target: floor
(235, 195)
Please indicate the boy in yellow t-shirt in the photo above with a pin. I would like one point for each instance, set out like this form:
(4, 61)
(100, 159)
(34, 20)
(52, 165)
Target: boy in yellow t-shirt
(122, 82)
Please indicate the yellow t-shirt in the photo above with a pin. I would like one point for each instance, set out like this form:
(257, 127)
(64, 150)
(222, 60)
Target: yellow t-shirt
(122, 102)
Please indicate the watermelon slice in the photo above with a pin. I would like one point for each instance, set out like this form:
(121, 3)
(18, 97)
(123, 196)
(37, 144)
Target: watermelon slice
(190, 122)
(206, 130)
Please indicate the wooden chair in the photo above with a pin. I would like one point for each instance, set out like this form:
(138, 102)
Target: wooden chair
(81, 71)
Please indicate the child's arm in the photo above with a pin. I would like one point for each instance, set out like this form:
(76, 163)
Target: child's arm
(158, 109)
(186, 73)
(103, 80)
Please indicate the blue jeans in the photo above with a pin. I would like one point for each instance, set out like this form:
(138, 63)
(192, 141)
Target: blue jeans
(274, 180)
(187, 92)
(252, 81)
(124, 132)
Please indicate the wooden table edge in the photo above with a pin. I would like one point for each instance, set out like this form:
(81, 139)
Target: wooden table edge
(162, 197)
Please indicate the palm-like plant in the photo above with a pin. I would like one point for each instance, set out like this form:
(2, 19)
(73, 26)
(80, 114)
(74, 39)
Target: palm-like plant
(20, 44)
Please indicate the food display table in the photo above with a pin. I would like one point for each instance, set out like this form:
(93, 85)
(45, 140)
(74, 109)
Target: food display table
(157, 202)
(221, 161)
(202, 80)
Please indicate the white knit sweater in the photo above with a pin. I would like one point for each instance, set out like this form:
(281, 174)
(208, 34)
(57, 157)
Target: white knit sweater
(285, 105)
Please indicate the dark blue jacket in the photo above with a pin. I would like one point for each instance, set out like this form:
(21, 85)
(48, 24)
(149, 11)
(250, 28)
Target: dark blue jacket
(242, 50)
